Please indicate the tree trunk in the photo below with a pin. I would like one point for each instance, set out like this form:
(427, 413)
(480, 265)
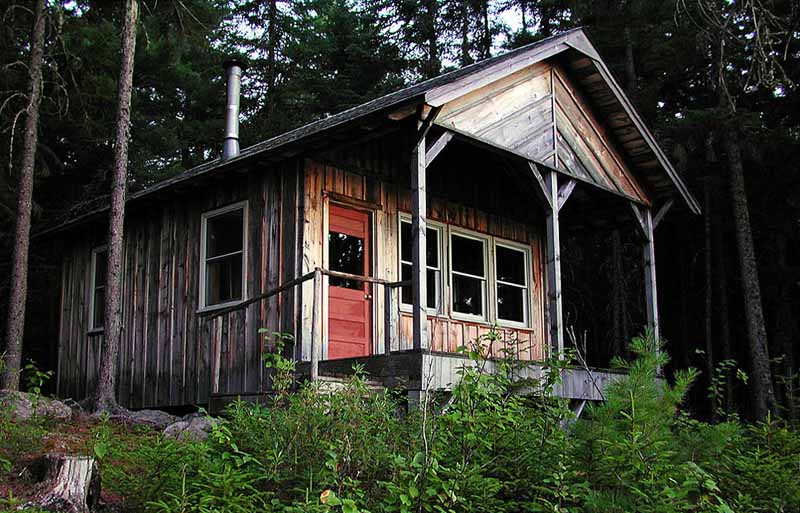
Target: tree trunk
(721, 294)
(15, 324)
(271, 49)
(487, 32)
(630, 67)
(433, 64)
(763, 393)
(466, 58)
(785, 327)
(105, 399)
(617, 296)
(71, 484)
(709, 288)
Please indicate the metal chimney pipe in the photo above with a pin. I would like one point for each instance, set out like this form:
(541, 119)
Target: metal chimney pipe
(233, 76)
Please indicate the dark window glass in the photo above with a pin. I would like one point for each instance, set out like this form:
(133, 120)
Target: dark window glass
(224, 280)
(433, 290)
(224, 234)
(510, 265)
(406, 244)
(511, 303)
(467, 295)
(434, 277)
(99, 291)
(224, 254)
(467, 255)
(346, 256)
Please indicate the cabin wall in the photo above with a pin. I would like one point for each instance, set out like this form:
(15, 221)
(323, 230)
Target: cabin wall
(540, 112)
(170, 354)
(376, 178)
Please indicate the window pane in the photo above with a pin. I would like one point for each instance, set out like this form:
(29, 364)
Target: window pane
(433, 289)
(224, 280)
(99, 305)
(405, 292)
(346, 254)
(406, 244)
(467, 255)
(405, 241)
(467, 295)
(510, 265)
(432, 246)
(511, 303)
(100, 268)
(224, 233)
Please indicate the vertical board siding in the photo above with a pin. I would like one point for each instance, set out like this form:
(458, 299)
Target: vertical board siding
(170, 354)
(325, 175)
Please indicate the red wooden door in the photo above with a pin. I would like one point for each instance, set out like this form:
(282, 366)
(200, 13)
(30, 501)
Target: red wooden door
(349, 301)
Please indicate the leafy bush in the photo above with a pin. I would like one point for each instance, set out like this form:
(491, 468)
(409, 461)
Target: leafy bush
(485, 447)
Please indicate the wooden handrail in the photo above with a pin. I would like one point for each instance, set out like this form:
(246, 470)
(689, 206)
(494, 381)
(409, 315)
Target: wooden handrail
(261, 297)
(298, 281)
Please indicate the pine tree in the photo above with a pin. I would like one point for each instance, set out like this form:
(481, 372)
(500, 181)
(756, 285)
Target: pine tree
(19, 269)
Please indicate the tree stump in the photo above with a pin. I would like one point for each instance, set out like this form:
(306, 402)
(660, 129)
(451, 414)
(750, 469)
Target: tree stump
(71, 484)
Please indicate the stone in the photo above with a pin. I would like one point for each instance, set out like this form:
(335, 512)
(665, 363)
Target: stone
(25, 405)
(156, 418)
(190, 428)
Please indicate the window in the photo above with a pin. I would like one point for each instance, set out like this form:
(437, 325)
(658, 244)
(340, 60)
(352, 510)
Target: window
(468, 275)
(97, 301)
(511, 279)
(222, 249)
(433, 264)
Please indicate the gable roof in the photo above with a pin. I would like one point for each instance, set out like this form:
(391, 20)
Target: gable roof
(613, 104)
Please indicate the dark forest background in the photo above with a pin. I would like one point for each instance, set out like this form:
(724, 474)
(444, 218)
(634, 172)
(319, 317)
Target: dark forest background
(715, 80)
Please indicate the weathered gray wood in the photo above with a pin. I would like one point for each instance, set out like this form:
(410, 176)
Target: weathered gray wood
(662, 212)
(564, 192)
(437, 147)
(419, 280)
(651, 294)
(543, 191)
(553, 243)
(388, 319)
(316, 322)
(71, 483)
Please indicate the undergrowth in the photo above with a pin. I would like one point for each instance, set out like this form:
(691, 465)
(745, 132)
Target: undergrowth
(500, 442)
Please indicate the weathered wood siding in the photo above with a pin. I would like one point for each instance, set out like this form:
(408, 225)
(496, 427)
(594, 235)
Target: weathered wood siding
(539, 113)
(376, 179)
(170, 354)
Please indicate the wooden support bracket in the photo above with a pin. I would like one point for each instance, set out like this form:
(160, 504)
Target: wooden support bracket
(564, 192)
(544, 195)
(662, 212)
(437, 147)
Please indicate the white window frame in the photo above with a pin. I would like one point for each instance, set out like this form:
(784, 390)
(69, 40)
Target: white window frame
(243, 206)
(93, 327)
(486, 279)
(441, 231)
(526, 307)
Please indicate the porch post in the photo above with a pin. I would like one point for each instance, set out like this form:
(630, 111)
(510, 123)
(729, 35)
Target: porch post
(644, 216)
(651, 296)
(553, 242)
(419, 246)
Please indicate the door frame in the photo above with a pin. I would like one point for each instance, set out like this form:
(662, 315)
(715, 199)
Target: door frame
(344, 202)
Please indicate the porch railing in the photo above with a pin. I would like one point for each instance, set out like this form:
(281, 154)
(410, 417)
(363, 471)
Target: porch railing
(389, 326)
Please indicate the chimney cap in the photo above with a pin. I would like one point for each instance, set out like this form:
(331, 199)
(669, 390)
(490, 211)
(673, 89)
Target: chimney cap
(234, 62)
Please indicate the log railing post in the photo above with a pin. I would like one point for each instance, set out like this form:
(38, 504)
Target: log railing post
(388, 320)
(644, 217)
(316, 322)
(555, 308)
(419, 246)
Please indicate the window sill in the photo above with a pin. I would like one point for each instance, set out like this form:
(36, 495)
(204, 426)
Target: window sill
(96, 331)
(214, 308)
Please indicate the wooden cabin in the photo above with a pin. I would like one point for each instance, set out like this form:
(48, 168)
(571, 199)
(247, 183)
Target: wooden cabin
(388, 235)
